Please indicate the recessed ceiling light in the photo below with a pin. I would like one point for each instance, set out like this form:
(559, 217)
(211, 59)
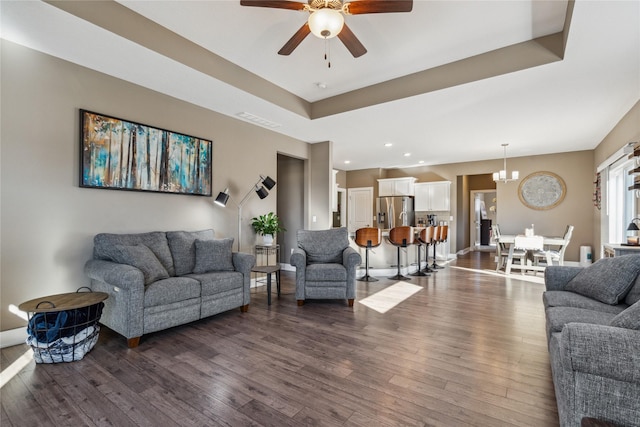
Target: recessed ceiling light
(407, 154)
(421, 161)
(321, 85)
(388, 144)
(346, 162)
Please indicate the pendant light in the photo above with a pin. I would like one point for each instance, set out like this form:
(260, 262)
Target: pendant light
(501, 175)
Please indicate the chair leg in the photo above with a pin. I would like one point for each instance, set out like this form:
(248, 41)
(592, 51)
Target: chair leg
(435, 265)
(350, 300)
(300, 302)
(427, 269)
(398, 275)
(366, 277)
(419, 272)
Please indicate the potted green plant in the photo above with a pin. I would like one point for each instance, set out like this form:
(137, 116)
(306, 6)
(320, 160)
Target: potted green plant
(268, 226)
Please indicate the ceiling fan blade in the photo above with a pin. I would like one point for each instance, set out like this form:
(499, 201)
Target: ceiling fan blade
(379, 6)
(295, 40)
(352, 43)
(278, 4)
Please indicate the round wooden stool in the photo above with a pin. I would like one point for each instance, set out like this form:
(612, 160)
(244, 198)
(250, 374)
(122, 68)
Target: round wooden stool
(425, 237)
(368, 237)
(401, 237)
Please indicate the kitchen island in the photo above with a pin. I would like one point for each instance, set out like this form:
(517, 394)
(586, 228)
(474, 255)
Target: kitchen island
(383, 259)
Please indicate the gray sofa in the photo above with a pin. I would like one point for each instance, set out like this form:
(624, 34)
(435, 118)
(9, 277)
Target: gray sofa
(593, 331)
(325, 265)
(160, 279)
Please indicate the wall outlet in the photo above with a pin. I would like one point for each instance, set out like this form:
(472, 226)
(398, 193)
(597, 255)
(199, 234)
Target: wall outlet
(314, 218)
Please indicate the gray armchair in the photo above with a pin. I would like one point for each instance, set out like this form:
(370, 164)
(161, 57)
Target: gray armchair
(325, 265)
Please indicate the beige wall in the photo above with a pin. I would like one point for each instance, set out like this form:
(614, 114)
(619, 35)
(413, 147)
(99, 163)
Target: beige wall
(320, 186)
(48, 222)
(576, 168)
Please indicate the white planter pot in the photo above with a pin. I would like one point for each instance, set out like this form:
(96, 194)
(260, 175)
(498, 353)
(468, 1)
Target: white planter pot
(267, 239)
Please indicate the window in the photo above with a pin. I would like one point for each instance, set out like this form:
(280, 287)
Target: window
(621, 202)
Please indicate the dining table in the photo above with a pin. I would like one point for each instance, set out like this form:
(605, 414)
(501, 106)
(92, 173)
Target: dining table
(529, 244)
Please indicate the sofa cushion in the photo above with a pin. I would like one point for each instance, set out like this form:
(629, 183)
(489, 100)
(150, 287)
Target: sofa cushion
(629, 319)
(571, 299)
(219, 281)
(155, 240)
(213, 255)
(183, 248)
(557, 317)
(171, 290)
(634, 293)
(607, 280)
(326, 273)
(323, 246)
(140, 257)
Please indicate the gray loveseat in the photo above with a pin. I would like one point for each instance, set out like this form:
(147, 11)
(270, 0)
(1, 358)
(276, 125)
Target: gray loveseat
(160, 279)
(325, 265)
(593, 331)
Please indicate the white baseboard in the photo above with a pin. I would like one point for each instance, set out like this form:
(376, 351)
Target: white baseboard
(13, 337)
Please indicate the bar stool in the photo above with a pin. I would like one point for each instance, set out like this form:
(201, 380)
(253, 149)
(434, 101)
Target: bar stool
(401, 237)
(368, 237)
(419, 242)
(440, 236)
(426, 238)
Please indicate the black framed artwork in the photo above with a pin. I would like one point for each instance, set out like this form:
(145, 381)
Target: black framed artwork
(119, 154)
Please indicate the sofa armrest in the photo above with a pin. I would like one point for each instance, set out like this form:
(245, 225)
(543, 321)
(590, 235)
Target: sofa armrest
(556, 277)
(120, 275)
(124, 309)
(605, 351)
(299, 261)
(351, 258)
(243, 262)
(298, 258)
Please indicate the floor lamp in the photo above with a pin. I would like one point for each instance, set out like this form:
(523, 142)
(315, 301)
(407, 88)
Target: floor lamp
(258, 188)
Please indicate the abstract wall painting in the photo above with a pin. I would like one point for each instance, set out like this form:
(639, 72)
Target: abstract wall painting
(122, 155)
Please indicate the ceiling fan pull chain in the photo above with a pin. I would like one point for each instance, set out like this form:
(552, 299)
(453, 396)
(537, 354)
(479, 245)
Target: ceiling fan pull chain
(327, 52)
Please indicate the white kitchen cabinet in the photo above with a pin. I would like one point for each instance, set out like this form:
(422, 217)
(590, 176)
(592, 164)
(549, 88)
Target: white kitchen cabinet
(433, 196)
(396, 187)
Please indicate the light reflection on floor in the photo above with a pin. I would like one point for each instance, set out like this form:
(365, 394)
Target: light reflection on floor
(15, 368)
(523, 277)
(388, 298)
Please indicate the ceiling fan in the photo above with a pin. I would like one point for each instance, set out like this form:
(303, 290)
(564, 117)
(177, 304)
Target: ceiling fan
(326, 18)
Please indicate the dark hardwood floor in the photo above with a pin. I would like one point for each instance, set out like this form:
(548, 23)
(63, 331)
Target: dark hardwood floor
(468, 348)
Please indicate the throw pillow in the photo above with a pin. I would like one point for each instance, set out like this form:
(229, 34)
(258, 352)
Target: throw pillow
(213, 255)
(183, 248)
(629, 319)
(634, 294)
(142, 258)
(607, 280)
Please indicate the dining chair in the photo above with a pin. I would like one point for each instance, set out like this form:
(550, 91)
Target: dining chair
(556, 255)
(502, 250)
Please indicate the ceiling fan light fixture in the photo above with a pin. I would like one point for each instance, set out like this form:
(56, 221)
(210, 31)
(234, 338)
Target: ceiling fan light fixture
(326, 23)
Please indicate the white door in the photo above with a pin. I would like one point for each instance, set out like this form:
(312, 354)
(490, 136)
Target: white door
(360, 208)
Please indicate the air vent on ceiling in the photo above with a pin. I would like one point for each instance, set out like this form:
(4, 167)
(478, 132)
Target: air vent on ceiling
(258, 120)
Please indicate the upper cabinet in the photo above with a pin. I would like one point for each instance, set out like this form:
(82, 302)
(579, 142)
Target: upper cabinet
(396, 187)
(433, 196)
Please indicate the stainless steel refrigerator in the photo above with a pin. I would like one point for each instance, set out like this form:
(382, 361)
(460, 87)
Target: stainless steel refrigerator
(394, 211)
